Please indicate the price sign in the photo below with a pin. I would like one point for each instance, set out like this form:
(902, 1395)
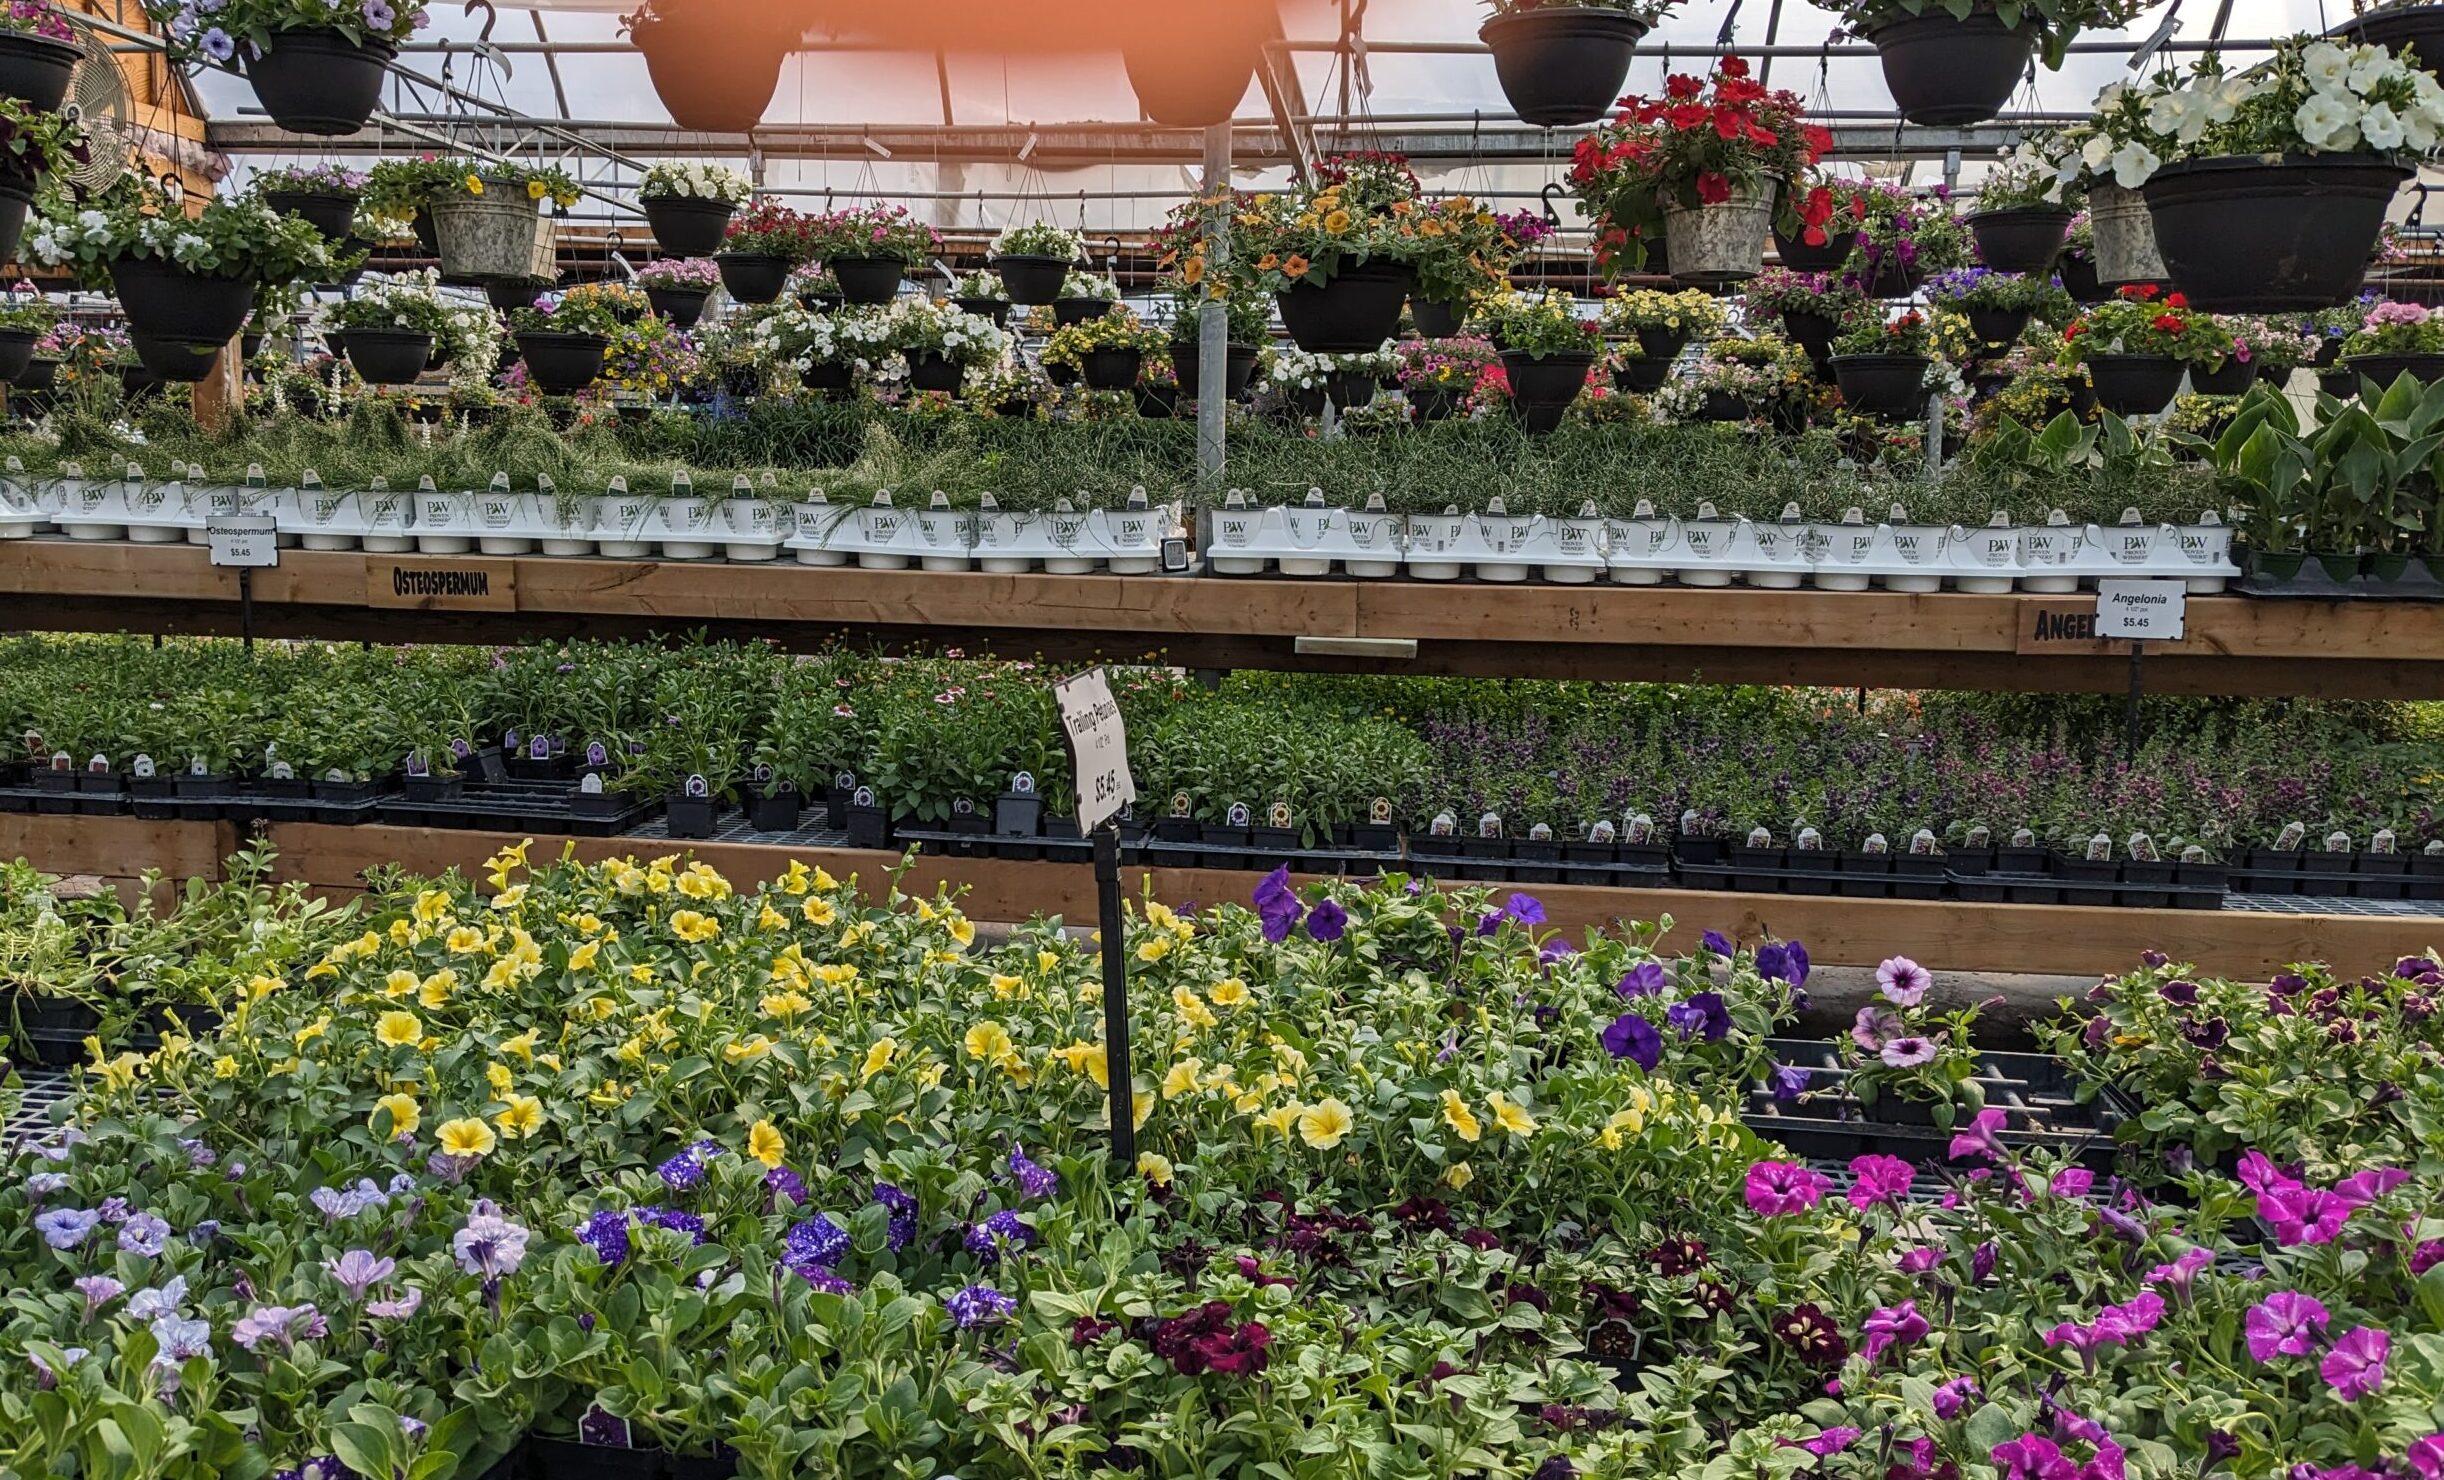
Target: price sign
(1098, 747)
(248, 541)
(2141, 611)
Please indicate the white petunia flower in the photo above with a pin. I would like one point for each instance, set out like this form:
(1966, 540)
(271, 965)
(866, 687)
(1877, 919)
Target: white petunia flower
(2096, 151)
(2382, 127)
(2326, 122)
(2133, 163)
(2328, 66)
(2418, 132)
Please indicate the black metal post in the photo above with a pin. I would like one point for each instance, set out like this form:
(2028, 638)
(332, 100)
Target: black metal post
(2130, 734)
(246, 605)
(1116, 997)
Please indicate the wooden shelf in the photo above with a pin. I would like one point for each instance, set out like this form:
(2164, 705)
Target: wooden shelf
(2236, 645)
(1942, 935)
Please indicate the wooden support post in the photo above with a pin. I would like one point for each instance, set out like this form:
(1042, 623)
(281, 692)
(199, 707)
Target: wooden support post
(222, 394)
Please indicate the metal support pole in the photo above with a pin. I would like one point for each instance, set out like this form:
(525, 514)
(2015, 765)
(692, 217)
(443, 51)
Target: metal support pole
(1116, 1065)
(246, 606)
(1213, 323)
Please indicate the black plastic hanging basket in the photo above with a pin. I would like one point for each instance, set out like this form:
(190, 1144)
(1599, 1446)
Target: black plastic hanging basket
(2022, 239)
(2230, 379)
(1352, 314)
(389, 356)
(2378, 372)
(2417, 27)
(2270, 233)
(1543, 389)
(1562, 64)
(753, 277)
(34, 69)
(16, 353)
(1238, 366)
(929, 371)
(2134, 385)
(1890, 386)
(1111, 369)
(687, 225)
(171, 359)
(678, 307)
(1031, 282)
(1794, 252)
(168, 302)
(1945, 72)
(331, 212)
(868, 280)
(995, 311)
(561, 364)
(317, 81)
(1193, 82)
(1813, 332)
(1998, 325)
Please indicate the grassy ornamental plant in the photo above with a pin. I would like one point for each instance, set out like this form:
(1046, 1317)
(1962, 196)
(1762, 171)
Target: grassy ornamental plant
(694, 180)
(217, 32)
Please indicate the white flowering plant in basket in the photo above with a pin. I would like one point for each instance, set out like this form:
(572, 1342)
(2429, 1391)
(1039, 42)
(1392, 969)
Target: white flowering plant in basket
(409, 302)
(918, 326)
(2311, 96)
(1040, 240)
(2119, 145)
(860, 338)
(692, 180)
(1090, 285)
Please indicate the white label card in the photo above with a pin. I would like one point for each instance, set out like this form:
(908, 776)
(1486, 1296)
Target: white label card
(243, 539)
(2151, 611)
(1098, 746)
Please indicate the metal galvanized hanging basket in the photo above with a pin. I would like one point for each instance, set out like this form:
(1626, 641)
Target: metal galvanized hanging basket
(498, 234)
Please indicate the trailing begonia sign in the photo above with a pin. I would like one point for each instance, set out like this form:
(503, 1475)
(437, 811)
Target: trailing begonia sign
(1098, 746)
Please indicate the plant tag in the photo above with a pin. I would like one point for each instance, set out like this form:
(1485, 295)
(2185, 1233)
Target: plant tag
(416, 765)
(2023, 838)
(1602, 831)
(862, 797)
(141, 768)
(1444, 825)
(1541, 832)
(596, 755)
(1641, 829)
(1876, 843)
(1489, 825)
(1023, 783)
(2152, 611)
(1099, 748)
(1238, 816)
(697, 788)
(1810, 840)
(539, 749)
(244, 541)
(1379, 812)
(592, 785)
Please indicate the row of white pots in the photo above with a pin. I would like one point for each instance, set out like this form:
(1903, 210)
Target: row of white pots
(1644, 549)
(748, 524)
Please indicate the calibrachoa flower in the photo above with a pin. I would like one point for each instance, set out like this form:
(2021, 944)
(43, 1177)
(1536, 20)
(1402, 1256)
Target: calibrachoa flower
(489, 1244)
(1779, 1187)
(1033, 1180)
(1634, 1038)
(1812, 1335)
(66, 1228)
(817, 1240)
(358, 1270)
(903, 1228)
(2355, 1366)
(278, 1326)
(980, 1305)
(2286, 1323)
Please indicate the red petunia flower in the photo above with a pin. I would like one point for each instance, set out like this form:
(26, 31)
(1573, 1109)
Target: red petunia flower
(1713, 187)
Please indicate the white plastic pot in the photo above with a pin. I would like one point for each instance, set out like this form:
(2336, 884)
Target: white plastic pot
(623, 522)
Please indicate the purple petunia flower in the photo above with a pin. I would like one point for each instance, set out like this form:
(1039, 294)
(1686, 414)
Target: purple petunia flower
(605, 1231)
(980, 1305)
(66, 1228)
(1277, 905)
(146, 1234)
(903, 1229)
(1645, 979)
(1788, 1082)
(1908, 1051)
(358, 1270)
(278, 1326)
(824, 1280)
(1881, 1180)
(378, 16)
(1005, 1228)
(2072, 1182)
(217, 45)
(1903, 982)
(2285, 1323)
(2355, 1367)
(782, 1185)
(1713, 941)
(1952, 1397)
(1033, 1180)
(1981, 1262)
(1778, 1187)
(1828, 1443)
(1327, 922)
(816, 1240)
(1874, 1025)
(2033, 1457)
(2181, 1272)
(1524, 909)
(180, 1341)
(1920, 1260)
(1890, 1326)
(675, 1220)
(398, 1308)
(1983, 1138)
(1633, 1037)
(1703, 1015)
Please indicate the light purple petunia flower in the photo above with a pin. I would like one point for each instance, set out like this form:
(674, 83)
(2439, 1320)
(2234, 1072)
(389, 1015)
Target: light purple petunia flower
(1903, 982)
(66, 1228)
(358, 1270)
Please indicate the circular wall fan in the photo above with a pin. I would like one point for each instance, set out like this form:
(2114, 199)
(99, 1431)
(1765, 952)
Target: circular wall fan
(97, 98)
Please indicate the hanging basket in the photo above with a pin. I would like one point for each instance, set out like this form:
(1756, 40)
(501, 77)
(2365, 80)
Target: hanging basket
(34, 69)
(2022, 239)
(317, 81)
(170, 303)
(1351, 314)
(333, 213)
(2236, 376)
(16, 353)
(2270, 233)
(1238, 367)
(1723, 242)
(932, 371)
(498, 234)
(2080, 280)
(687, 225)
(1795, 254)
(1641, 377)
(679, 307)
(1890, 386)
(2125, 239)
(1562, 64)
(1813, 332)
(172, 359)
(1436, 320)
(1111, 369)
(1192, 81)
(2134, 385)
(2418, 27)
(1349, 389)
(2378, 372)
(1946, 72)
(16, 199)
(389, 356)
(1031, 282)
(868, 280)
(1542, 390)
(995, 311)
(562, 364)
(714, 71)
(753, 277)
(1997, 325)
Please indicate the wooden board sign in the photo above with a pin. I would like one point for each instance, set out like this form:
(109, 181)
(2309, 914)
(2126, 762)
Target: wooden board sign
(441, 583)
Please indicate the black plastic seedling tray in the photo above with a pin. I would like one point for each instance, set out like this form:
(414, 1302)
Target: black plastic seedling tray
(2036, 1092)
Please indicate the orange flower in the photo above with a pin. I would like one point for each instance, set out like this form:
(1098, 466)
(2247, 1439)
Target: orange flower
(1295, 267)
(1194, 272)
(1431, 228)
(1268, 262)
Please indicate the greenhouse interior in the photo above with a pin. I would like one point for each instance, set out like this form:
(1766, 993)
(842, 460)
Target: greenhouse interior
(1315, 739)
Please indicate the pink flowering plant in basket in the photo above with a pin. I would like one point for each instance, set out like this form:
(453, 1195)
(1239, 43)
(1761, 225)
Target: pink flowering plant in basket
(2397, 329)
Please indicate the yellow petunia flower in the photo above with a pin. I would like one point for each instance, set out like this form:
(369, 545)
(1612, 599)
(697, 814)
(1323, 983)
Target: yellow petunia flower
(320, 970)
(313, 1030)
(224, 1067)
(465, 941)
(785, 1005)
(693, 927)
(1154, 948)
(431, 907)
(988, 1040)
(523, 1046)
(1182, 1080)
(1047, 960)
(509, 898)
(1324, 1125)
(1228, 992)
(522, 1118)
(764, 1143)
(468, 1137)
(878, 1058)
(1005, 987)
(436, 990)
(536, 190)
(399, 983)
(818, 910)
(260, 987)
(1155, 1169)
(1192, 1007)
(1141, 1105)
(834, 974)
(1510, 1117)
(961, 930)
(1457, 1176)
(769, 918)
(500, 1077)
(397, 1029)
(474, 184)
(404, 1116)
(753, 1047)
(1459, 1117)
(583, 958)
(793, 881)
(1279, 1119)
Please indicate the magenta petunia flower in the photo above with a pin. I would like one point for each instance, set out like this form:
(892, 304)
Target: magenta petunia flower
(1903, 982)
(1881, 1180)
(2033, 1457)
(2355, 1367)
(2285, 1323)
(1875, 1024)
(1983, 1138)
(1889, 1326)
(2427, 1457)
(1779, 1187)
